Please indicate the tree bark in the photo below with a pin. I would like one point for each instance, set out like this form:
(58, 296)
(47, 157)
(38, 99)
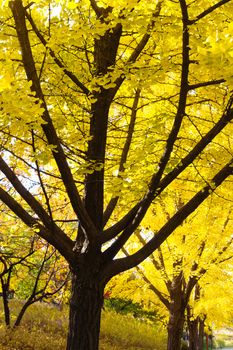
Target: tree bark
(196, 334)
(201, 333)
(85, 311)
(5, 290)
(175, 331)
(177, 312)
(22, 312)
(207, 341)
(193, 335)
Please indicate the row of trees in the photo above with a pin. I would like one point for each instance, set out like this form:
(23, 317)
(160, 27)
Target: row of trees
(105, 109)
(191, 279)
(190, 274)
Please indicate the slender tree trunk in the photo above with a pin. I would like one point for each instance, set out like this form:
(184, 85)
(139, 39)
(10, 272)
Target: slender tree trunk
(5, 288)
(201, 334)
(6, 309)
(21, 313)
(207, 341)
(85, 310)
(193, 334)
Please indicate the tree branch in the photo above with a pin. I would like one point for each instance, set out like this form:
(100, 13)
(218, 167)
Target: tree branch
(139, 48)
(48, 128)
(125, 151)
(206, 83)
(172, 175)
(71, 75)
(40, 179)
(157, 292)
(158, 265)
(208, 11)
(57, 238)
(116, 246)
(27, 196)
(120, 265)
(96, 8)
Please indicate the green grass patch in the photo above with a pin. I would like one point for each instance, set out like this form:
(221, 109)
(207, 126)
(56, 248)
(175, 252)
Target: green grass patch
(45, 328)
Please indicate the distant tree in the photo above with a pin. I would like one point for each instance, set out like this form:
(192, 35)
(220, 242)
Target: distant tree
(202, 245)
(104, 106)
(31, 271)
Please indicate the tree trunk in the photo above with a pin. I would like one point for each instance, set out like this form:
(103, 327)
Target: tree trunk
(193, 334)
(177, 311)
(22, 312)
(175, 331)
(196, 334)
(201, 333)
(85, 310)
(207, 341)
(5, 290)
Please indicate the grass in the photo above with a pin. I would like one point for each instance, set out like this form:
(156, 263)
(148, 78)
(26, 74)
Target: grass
(44, 328)
(223, 340)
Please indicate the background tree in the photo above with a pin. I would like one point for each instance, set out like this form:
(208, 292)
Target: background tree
(29, 269)
(211, 308)
(201, 245)
(102, 108)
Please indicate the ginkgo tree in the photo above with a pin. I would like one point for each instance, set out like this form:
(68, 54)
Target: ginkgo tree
(213, 302)
(209, 310)
(103, 105)
(173, 273)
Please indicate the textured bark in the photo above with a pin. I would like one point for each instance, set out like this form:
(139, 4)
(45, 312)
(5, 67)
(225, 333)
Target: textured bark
(105, 51)
(196, 333)
(176, 312)
(85, 311)
(175, 330)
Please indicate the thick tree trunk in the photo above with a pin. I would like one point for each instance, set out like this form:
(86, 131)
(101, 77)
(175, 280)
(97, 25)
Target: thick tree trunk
(85, 311)
(177, 312)
(175, 331)
(196, 334)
